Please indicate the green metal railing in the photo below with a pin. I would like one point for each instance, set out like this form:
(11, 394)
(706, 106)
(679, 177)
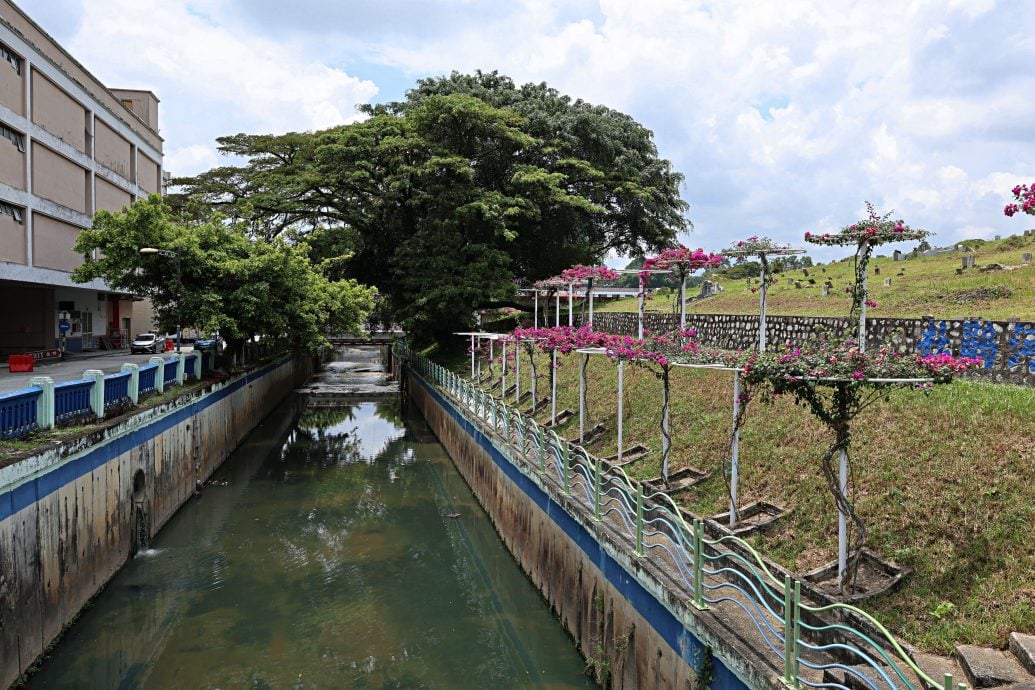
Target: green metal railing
(812, 643)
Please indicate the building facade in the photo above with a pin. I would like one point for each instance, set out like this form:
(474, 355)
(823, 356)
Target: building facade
(69, 146)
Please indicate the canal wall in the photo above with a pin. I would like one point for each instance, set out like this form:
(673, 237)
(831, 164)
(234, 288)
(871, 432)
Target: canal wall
(71, 515)
(630, 618)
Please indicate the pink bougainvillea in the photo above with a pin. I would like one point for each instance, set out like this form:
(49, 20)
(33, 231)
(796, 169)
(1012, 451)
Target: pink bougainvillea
(1024, 200)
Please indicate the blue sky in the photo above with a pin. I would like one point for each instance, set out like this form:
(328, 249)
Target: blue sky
(783, 116)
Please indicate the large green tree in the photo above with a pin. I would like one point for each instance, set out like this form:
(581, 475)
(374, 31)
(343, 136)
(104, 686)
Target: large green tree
(229, 282)
(444, 199)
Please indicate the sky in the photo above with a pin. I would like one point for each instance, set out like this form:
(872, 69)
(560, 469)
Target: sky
(784, 116)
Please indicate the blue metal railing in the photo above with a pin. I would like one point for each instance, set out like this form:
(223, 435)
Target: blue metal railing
(116, 389)
(146, 385)
(18, 412)
(169, 371)
(725, 572)
(72, 400)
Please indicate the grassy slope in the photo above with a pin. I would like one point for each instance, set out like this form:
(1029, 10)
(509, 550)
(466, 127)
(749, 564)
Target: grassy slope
(928, 285)
(945, 481)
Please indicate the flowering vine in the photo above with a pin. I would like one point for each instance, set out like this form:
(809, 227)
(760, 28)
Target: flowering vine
(1023, 200)
(682, 262)
(865, 235)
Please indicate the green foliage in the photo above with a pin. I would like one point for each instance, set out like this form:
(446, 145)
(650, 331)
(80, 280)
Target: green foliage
(228, 282)
(443, 199)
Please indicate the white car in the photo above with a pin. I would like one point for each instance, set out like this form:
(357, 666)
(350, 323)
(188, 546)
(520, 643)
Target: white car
(147, 342)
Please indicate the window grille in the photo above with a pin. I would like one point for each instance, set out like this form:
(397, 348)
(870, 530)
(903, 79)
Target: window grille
(11, 210)
(15, 137)
(14, 60)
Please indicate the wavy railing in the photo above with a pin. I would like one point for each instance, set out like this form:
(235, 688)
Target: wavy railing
(812, 643)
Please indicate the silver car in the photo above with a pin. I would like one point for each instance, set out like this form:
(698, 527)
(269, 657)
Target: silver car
(147, 342)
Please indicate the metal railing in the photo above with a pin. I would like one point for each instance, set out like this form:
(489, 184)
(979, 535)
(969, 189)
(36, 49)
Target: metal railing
(18, 412)
(146, 385)
(116, 389)
(811, 643)
(72, 400)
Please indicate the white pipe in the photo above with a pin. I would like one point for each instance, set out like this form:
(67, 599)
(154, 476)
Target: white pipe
(503, 356)
(557, 309)
(590, 307)
(639, 324)
(517, 372)
(842, 520)
(582, 402)
(472, 356)
(620, 396)
(682, 304)
(535, 317)
(761, 314)
(553, 392)
(571, 289)
(862, 310)
(735, 451)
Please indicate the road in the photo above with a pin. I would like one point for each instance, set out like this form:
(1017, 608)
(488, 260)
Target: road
(74, 366)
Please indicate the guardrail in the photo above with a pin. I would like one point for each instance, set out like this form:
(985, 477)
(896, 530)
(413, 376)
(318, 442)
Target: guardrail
(46, 404)
(72, 400)
(116, 389)
(18, 412)
(811, 643)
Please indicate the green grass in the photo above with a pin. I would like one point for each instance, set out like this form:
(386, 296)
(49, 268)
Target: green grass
(945, 481)
(927, 285)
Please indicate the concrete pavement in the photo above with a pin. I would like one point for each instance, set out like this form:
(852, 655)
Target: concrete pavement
(73, 366)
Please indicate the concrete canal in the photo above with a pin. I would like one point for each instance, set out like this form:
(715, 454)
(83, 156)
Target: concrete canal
(337, 548)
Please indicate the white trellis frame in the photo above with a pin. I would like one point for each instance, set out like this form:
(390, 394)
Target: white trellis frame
(762, 252)
(642, 295)
(735, 441)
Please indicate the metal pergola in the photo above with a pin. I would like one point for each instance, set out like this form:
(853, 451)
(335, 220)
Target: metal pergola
(762, 253)
(642, 294)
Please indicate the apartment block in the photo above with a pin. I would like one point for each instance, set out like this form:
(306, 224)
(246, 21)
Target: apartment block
(69, 146)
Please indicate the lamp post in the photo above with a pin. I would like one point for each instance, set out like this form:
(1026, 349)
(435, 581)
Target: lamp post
(179, 284)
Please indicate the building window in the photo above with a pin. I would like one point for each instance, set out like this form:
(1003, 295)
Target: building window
(13, 59)
(13, 136)
(11, 210)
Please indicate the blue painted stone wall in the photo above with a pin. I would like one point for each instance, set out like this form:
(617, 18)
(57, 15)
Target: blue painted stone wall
(1006, 348)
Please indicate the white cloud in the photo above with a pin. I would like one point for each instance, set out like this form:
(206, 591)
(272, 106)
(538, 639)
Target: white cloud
(784, 116)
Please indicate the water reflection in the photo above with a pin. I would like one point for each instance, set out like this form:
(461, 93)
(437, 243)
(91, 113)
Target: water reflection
(323, 556)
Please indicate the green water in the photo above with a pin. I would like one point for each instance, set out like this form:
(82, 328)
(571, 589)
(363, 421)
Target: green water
(322, 556)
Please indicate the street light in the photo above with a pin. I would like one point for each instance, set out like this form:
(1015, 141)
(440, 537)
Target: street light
(179, 284)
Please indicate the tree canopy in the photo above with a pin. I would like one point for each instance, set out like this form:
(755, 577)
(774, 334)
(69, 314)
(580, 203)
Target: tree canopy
(444, 199)
(237, 285)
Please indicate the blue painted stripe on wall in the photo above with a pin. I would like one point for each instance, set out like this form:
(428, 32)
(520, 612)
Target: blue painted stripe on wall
(24, 495)
(660, 618)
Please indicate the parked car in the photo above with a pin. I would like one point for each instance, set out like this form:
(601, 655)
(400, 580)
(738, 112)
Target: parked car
(213, 342)
(147, 342)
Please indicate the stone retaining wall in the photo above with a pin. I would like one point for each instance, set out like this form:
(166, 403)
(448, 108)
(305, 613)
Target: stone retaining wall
(1007, 348)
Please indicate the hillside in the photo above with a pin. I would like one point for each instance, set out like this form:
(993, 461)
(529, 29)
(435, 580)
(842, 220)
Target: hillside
(919, 285)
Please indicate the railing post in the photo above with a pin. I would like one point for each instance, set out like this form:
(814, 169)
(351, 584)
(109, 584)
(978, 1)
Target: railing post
(540, 446)
(197, 365)
(96, 391)
(699, 565)
(565, 457)
(181, 368)
(133, 388)
(639, 519)
(159, 374)
(44, 403)
(598, 470)
(788, 632)
(797, 628)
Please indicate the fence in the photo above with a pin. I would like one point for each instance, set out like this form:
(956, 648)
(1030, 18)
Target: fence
(18, 412)
(812, 643)
(46, 404)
